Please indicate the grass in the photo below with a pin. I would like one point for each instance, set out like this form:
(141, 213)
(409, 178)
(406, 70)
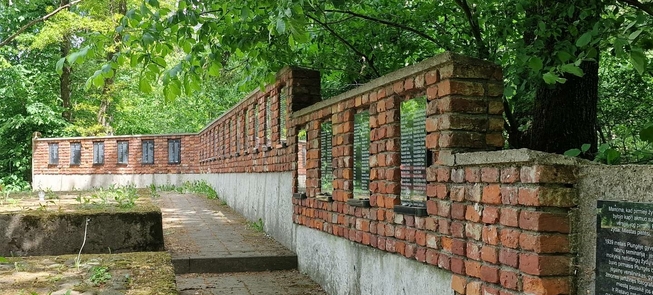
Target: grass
(200, 187)
(123, 197)
(256, 225)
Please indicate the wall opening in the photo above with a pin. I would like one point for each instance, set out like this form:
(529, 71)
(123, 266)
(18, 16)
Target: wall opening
(413, 150)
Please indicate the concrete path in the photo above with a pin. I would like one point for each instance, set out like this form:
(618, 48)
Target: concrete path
(215, 250)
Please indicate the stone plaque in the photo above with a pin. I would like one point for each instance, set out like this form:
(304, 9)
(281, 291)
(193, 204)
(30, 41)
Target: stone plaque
(326, 158)
(624, 248)
(413, 150)
(362, 154)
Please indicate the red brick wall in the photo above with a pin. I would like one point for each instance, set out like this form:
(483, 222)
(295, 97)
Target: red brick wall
(500, 228)
(188, 163)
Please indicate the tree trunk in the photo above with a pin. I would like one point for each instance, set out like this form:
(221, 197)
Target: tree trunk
(104, 119)
(64, 79)
(565, 114)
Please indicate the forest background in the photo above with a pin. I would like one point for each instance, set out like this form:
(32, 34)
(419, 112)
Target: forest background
(576, 73)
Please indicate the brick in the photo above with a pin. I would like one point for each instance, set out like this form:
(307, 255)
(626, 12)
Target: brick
(473, 193)
(457, 193)
(472, 174)
(509, 279)
(447, 244)
(474, 288)
(444, 261)
(544, 243)
(448, 87)
(430, 224)
(473, 268)
(432, 77)
(432, 241)
(547, 196)
(490, 215)
(489, 174)
(509, 216)
(473, 251)
(509, 237)
(432, 256)
(509, 175)
(490, 254)
(457, 229)
(457, 265)
(420, 238)
(458, 283)
(548, 174)
(491, 235)
(458, 175)
(546, 285)
(509, 195)
(458, 211)
(492, 194)
(458, 247)
(490, 273)
(544, 221)
(420, 254)
(473, 231)
(544, 265)
(473, 213)
(490, 290)
(444, 208)
(509, 257)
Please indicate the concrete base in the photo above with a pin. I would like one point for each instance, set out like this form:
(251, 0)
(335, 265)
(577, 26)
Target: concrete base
(344, 267)
(59, 234)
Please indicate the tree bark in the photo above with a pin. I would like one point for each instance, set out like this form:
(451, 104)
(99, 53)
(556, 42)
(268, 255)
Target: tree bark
(565, 114)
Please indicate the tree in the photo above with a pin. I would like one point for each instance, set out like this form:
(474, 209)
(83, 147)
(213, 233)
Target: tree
(549, 49)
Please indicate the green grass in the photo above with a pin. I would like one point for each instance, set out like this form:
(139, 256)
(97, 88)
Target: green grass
(200, 187)
(256, 225)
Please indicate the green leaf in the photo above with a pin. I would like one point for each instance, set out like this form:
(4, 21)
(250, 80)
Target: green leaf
(3, 260)
(612, 156)
(573, 153)
(214, 69)
(638, 60)
(646, 134)
(281, 26)
(634, 35)
(564, 56)
(550, 78)
(572, 69)
(584, 39)
(585, 147)
(144, 85)
(148, 39)
(73, 57)
(535, 63)
(59, 65)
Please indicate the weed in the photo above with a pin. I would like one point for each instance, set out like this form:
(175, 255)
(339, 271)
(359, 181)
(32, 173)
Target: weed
(3, 260)
(153, 191)
(100, 275)
(256, 225)
(198, 187)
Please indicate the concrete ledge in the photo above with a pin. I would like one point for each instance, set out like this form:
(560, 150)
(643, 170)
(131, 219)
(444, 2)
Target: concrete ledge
(516, 156)
(54, 233)
(233, 264)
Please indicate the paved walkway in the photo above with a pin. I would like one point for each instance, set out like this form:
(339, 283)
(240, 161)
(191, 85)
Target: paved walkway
(216, 251)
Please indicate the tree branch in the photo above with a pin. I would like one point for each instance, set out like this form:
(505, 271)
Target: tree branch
(639, 5)
(346, 43)
(483, 52)
(385, 22)
(33, 22)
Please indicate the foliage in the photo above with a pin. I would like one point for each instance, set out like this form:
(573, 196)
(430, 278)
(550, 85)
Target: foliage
(100, 275)
(123, 197)
(256, 225)
(197, 187)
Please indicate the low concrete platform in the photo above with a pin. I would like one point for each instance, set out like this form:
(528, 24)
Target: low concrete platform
(287, 282)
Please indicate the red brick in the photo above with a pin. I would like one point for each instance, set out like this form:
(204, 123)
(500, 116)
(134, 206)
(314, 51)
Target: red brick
(548, 174)
(458, 283)
(457, 265)
(509, 237)
(509, 279)
(420, 254)
(544, 243)
(458, 175)
(492, 194)
(491, 235)
(443, 226)
(489, 175)
(473, 231)
(472, 213)
(444, 261)
(490, 254)
(446, 243)
(472, 174)
(544, 265)
(473, 251)
(509, 195)
(473, 268)
(457, 229)
(457, 193)
(444, 208)
(432, 241)
(544, 221)
(546, 285)
(490, 273)
(509, 217)
(458, 211)
(474, 288)
(509, 175)
(458, 247)
(431, 256)
(473, 192)
(547, 196)
(420, 238)
(509, 257)
(490, 215)
(490, 290)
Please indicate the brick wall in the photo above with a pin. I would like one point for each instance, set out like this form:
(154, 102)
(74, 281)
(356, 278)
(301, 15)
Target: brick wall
(189, 161)
(500, 226)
